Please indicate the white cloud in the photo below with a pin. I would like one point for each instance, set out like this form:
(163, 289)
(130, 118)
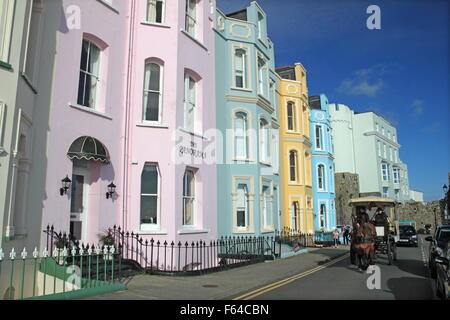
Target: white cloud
(366, 82)
(417, 107)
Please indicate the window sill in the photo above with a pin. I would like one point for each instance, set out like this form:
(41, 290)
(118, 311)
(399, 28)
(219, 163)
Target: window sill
(268, 230)
(193, 39)
(153, 125)
(241, 160)
(28, 82)
(198, 135)
(242, 89)
(109, 5)
(90, 110)
(156, 24)
(265, 163)
(192, 231)
(151, 232)
(5, 65)
(246, 231)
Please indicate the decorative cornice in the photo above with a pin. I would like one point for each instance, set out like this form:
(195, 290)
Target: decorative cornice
(260, 101)
(377, 134)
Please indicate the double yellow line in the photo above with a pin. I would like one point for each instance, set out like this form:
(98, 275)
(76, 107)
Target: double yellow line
(273, 286)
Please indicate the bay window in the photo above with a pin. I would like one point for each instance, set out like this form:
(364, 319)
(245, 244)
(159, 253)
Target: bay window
(293, 166)
(291, 116)
(242, 206)
(319, 138)
(240, 68)
(321, 177)
(240, 136)
(264, 140)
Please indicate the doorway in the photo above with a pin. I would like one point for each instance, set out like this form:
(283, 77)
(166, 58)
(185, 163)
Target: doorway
(78, 202)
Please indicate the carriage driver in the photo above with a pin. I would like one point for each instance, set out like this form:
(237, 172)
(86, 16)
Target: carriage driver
(362, 217)
(380, 219)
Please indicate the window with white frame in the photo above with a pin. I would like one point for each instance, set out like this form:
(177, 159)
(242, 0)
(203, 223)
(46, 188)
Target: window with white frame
(377, 127)
(150, 189)
(6, 21)
(319, 137)
(262, 76)
(266, 199)
(34, 32)
(152, 92)
(242, 206)
(89, 74)
(155, 11)
(264, 140)
(322, 215)
(293, 160)
(321, 177)
(275, 151)
(291, 116)
(189, 102)
(384, 151)
(396, 174)
(391, 154)
(189, 198)
(379, 148)
(295, 208)
(240, 68)
(241, 135)
(260, 25)
(191, 17)
(385, 172)
(385, 192)
(383, 131)
(396, 155)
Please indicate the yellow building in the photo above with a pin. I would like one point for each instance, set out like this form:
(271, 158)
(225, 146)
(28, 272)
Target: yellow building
(295, 150)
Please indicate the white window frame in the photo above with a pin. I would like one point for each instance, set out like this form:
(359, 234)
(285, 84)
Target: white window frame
(191, 16)
(191, 198)
(244, 74)
(319, 137)
(188, 104)
(293, 117)
(324, 177)
(266, 204)
(241, 135)
(31, 61)
(385, 172)
(149, 12)
(246, 207)
(157, 225)
(295, 215)
(263, 76)
(323, 215)
(147, 92)
(6, 24)
(295, 166)
(264, 141)
(94, 77)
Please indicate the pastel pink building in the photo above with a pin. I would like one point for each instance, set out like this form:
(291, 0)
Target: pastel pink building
(133, 95)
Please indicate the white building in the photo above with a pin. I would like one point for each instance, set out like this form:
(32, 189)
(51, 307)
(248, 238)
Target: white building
(416, 195)
(366, 144)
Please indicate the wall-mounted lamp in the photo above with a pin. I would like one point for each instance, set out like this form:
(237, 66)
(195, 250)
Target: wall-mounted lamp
(111, 190)
(65, 185)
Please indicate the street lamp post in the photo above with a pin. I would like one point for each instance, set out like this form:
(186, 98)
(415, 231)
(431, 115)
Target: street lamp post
(446, 201)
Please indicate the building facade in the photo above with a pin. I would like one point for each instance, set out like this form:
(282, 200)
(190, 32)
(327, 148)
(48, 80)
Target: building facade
(416, 195)
(322, 164)
(367, 144)
(246, 103)
(169, 182)
(297, 201)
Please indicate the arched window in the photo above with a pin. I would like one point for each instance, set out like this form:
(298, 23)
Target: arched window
(240, 135)
(150, 196)
(240, 66)
(155, 11)
(290, 116)
(152, 92)
(89, 74)
(293, 166)
(242, 206)
(294, 215)
(188, 198)
(264, 140)
(321, 177)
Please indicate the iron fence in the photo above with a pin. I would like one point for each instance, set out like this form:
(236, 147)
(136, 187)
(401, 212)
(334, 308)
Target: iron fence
(62, 271)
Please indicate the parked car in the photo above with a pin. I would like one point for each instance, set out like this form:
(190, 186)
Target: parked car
(443, 274)
(438, 243)
(408, 235)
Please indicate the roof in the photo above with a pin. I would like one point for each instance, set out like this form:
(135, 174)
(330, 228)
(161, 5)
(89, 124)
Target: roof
(378, 201)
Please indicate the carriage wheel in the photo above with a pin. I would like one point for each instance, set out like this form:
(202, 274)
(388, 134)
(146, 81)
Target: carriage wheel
(389, 252)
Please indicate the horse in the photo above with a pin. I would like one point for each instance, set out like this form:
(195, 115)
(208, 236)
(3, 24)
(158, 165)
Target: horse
(363, 244)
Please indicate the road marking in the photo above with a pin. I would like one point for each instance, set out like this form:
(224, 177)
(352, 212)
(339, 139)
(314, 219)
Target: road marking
(424, 256)
(270, 287)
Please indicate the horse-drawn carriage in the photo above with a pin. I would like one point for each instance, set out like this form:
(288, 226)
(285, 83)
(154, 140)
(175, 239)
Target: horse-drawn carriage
(368, 240)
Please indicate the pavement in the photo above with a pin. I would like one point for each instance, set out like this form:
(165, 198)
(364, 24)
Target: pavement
(222, 285)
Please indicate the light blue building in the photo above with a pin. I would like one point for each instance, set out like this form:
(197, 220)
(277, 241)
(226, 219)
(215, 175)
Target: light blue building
(246, 94)
(322, 164)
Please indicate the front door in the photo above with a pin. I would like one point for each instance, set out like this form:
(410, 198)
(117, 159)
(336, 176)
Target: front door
(78, 204)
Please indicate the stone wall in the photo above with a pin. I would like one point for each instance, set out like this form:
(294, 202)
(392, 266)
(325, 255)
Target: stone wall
(347, 188)
(423, 213)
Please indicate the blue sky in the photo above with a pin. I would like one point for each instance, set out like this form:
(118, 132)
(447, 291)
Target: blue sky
(400, 71)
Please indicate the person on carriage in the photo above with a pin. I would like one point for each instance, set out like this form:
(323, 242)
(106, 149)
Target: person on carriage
(362, 218)
(380, 219)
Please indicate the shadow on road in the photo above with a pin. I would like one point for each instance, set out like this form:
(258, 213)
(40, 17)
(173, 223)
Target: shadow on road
(414, 267)
(401, 288)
